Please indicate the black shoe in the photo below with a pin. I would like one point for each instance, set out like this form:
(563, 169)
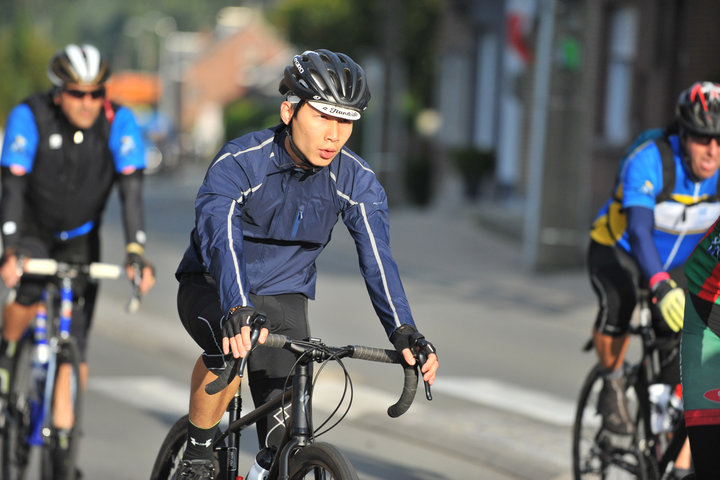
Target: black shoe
(196, 470)
(612, 405)
(681, 474)
(61, 456)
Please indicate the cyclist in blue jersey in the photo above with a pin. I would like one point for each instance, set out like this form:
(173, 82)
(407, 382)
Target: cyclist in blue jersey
(63, 151)
(264, 212)
(665, 198)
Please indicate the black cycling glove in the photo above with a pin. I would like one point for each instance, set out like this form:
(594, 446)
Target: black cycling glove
(407, 336)
(136, 260)
(241, 317)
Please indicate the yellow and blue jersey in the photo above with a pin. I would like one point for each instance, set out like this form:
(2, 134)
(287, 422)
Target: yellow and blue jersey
(680, 220)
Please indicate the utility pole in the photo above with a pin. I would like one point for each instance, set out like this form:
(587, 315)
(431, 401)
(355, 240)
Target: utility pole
(556, 224)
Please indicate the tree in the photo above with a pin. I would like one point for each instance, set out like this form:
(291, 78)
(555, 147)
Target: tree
(402, 34)
(32, 30)
(24, 53)
(356, 27)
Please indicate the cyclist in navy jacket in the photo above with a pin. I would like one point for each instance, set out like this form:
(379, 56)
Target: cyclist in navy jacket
(64, 149)
(264, 212)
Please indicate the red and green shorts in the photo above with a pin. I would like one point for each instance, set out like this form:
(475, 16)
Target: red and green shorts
(700, 362)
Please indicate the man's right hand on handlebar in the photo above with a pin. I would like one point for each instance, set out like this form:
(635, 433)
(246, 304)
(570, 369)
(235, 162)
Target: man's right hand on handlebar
(408, 341)
(237, 328)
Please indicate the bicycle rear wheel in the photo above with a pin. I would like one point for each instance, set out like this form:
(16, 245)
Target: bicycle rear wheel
(599, 454)
(15, 450)
(58, 457)
(321, 461)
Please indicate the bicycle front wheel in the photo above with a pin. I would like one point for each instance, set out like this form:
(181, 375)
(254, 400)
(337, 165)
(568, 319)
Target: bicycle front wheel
(15, 450)
(58, 458)
(597, 453)
(321, 461)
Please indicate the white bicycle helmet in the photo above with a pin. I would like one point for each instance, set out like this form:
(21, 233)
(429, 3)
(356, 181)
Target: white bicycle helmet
(78, 64)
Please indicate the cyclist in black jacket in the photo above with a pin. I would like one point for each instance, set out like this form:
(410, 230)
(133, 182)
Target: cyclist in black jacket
(63, 151)
(265, 211)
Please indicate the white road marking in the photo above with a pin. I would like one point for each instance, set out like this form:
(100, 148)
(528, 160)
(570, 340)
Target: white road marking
(518, 400)
(145, 392)
(172, 397)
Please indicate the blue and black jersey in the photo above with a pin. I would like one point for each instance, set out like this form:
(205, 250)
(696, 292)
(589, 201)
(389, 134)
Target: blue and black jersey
(58, 177)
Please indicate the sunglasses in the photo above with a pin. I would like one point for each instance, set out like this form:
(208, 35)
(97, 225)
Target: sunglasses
(704, 139)
(95, 94)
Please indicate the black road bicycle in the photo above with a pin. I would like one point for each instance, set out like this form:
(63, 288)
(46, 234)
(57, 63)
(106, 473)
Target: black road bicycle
(298, 456)
(47, 346)
(649, 452)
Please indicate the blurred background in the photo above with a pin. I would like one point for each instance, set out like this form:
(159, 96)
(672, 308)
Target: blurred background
(516, 110)
(496, 127)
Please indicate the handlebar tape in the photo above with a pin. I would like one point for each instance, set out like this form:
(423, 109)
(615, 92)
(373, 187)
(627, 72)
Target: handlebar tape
(358, 352)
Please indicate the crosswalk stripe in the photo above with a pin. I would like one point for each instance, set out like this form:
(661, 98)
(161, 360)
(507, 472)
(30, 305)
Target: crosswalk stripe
(153, 391)
(145, 392)
(521, 401)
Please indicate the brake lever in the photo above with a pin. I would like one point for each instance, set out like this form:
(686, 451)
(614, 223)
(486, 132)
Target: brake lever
(20, 268)
(257, 325)
(420, 347)
(422, 358)
(254, 334)
(134, 303)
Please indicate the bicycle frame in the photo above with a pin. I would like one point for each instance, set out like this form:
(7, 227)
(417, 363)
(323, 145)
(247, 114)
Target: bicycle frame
(45, 338)
(646, 371)
(299, 434)
(654, 452)
(237, 424)
(50, 332)
(299, 395)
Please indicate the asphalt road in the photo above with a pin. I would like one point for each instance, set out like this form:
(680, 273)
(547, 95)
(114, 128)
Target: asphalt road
(509, 345)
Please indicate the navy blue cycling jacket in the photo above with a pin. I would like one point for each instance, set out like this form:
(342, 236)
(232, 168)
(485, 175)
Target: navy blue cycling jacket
(261, 222)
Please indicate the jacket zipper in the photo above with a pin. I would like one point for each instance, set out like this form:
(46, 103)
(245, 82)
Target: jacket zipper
(298, 219)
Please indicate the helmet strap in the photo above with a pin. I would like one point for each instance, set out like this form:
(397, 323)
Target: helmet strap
(683, 134)
(301, 156)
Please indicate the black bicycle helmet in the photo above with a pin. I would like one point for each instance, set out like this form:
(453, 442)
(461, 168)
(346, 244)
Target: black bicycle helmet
(78, 64)
(698, 109)
(330, 82)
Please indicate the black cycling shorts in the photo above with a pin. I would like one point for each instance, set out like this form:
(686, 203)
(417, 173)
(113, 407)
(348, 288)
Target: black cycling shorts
(84, 249)
(198, 303)
(615, 277)
(199, 308)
